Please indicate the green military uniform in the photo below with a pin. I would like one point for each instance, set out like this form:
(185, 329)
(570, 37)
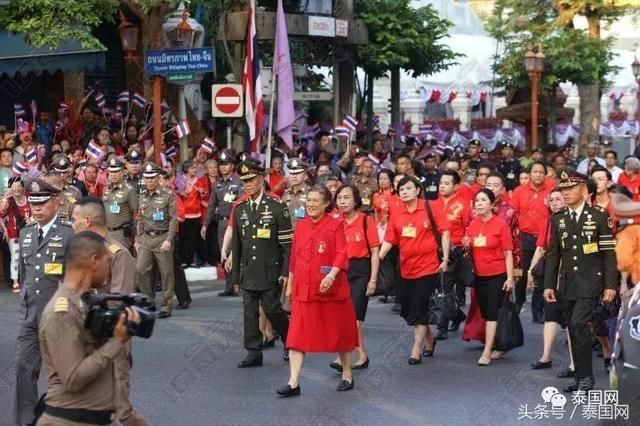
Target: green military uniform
(157, 223)
(260, 248)
(296, 198)
(582, 261)
(121, 204)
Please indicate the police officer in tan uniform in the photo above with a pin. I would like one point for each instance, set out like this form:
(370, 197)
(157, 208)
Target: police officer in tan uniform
(296, 193)
(60, 166)
(157, 225)
(80, 395)
(133, 177)
(43, 245)
(365, 182)
(121, 204)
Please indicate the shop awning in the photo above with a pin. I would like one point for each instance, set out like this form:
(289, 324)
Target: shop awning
(17, 56)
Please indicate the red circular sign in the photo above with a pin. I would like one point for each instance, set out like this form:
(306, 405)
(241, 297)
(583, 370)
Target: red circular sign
(227, 100)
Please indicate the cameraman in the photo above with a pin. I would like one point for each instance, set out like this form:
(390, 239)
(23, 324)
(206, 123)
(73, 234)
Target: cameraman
(80, 367)
(89, 215)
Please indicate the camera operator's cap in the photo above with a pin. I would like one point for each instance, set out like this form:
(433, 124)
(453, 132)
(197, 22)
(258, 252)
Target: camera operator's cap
(115, 165)
(60, 163)
(250, 168)
(134, 156)
(506, 144)
(227, 157)
(631, 335)
(474, 142)
(570, 178)
(39, 191)
(296, 166)
(151, 170)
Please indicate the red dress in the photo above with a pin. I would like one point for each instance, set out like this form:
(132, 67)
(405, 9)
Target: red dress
(320, 322)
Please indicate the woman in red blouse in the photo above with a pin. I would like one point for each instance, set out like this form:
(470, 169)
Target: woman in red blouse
(194, 191)
(362, 251)
(276, 177)
(411, 230)
(492, 250)
(322, 315)
(16, 212)
(385, 198)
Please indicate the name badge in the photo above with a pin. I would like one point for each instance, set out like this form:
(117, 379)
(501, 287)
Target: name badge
(299, 213)
(114, 208)
(409, 231)
(511, 176)
(366, 201)
(228, 197)
(158, 215)
(53, 268)
(433, 188)
(590, 248)
(480, 241)
(264, 233)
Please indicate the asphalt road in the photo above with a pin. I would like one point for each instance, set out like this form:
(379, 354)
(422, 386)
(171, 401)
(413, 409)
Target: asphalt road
(186, 375)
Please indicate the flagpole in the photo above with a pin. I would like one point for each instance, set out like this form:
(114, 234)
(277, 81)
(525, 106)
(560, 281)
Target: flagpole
(267, 161)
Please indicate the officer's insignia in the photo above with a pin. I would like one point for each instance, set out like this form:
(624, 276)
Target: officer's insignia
(61, 162)
(634, 327)
(610, 223)
(285, 212)
(149, 168)
(294, 163)
(56, 238)
(321, 247)
(244, 169)
(62, 304)
(113, 162)
(134, 154)
(564, 175)
(35, 187)
(223, 156)
(244, 216)
(562, 225)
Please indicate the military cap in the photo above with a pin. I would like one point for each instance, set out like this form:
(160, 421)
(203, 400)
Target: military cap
(151, 170)
(134, 156)
(474, 142)
(39, 191)
(115, 165)
(60, 163)
(361, 152)
(250, 168)
(570, 178)
(227, 157)
(506, 144)
(296, 165)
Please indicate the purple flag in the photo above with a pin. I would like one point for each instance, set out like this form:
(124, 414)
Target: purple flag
(284, 74)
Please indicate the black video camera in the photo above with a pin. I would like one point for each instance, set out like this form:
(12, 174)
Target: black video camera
(105, 309)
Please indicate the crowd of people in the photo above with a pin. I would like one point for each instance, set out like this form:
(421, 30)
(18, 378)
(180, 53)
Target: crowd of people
(308, 239)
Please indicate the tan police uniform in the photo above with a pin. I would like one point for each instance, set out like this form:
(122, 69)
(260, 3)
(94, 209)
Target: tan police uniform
(157, 223)
(121, 204)
(134, 157)
(69, 194)
(366, 189)
(296, 198)
(85, 394)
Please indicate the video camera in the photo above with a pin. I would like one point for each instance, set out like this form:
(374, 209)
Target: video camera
(102, 315)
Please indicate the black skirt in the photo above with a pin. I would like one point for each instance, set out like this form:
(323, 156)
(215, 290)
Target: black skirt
(490, 295)
(359, 274)
(416, 295)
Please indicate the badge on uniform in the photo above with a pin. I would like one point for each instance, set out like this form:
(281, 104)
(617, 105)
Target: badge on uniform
(229, 197)
(299, 213)
(158, 215)
(590, 248)
(510, 175)
(562, 224)
(53, 268)
(432, 188)
(366, 201)
(409, 231)
(114, 208)
(62, 305)
(264, 233)
(480, 241)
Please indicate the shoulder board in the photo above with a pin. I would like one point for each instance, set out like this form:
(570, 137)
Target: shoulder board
(63, 222)
(61, 304)
(114, 248)
(561, 212)
(599, 208)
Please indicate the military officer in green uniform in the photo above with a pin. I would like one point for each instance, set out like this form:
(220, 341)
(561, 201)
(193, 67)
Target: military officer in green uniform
(581, 260)
(296, 193)
(60, 166)
(133, 177)
(43, 247)
(121, 204)
(260, 247)
(157, 225)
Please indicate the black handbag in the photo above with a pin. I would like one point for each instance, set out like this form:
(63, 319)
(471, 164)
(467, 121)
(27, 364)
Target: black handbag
(442, 306)
(462, 266)
(386, 277)
(509, 333)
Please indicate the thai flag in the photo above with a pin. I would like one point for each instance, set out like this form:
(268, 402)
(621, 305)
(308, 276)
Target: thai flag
(119, 112)
(374, 159)
(82, 164)
(171, 151)
(139, 100)
(350, 123)
(101, 101)
(94, 150)
(63, 107)
(208, 145)
(425, 128)
(18, 110)
(31, 156)
(316, 128)
(251, 81)
(441, 147)
(123, 97)
(341, 132)
(182, 129)
(19, 168)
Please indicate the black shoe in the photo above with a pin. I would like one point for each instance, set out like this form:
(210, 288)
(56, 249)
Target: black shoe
(344, 386)
(183, 305)
(225, 293)
(151, 309)
(572, 387)
(567, 373)
(268, 343)
(251, 362)
(287, 391)
(429, 352)
(396, 308)
(360, 366)
(539, 365)
(414, 361)
(336, 366)
(164, 314)
(285, 355)
(455, 326)
(586, 384)
(607, 364)
(442, 334)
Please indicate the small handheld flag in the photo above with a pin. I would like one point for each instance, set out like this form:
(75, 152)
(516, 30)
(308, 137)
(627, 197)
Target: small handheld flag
(93, 150)
(341, 132)
(59, 125)
(182, 129)
(82, 164)
(165, 106)
(19, 168)
(63, 107)
(170, 152)
(139, 100)
(101, 101)
(31, 156)
(350, 123)
(424, 128)
(208, 145)
(18, 110)
(34, 108)
(123, 97)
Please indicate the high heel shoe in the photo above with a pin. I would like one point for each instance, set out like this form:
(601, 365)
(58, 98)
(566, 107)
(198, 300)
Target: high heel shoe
(361, 366)
(484, 361)
(428, 353)
(415, 361)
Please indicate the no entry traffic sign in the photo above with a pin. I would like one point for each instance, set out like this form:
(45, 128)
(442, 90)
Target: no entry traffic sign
(226, 100)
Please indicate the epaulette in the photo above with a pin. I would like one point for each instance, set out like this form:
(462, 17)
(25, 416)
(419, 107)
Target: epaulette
(61, 305)
(64, 222)
(114, 248)
(563, 211)
(599, 208)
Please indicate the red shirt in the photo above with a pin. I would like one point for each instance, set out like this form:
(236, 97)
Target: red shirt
(277, 183)
(357, 245)
(318, 247)
(543, 238)
(532, 207)
(23, 211)
(382, 201)
(465, 192)
(457, 213)
(94, 189)
(489, 241)
(632, 185)
(411, 231)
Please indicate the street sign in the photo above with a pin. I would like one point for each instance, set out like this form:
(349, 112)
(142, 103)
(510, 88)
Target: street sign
(180, 77)
(322, 26)
(312, 96)
(226, 100)
(178, 61)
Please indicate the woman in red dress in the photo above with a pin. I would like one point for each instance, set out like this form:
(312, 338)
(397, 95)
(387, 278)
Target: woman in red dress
(492, 250)
(322, 315)
(410, 229)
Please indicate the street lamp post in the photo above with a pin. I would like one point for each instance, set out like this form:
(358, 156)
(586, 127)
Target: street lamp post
(534, 64)
(635, 69)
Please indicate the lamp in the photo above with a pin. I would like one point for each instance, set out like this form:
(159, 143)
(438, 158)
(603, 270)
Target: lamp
(129, 38)
(635, 69)
(534, 64)
(183, 31)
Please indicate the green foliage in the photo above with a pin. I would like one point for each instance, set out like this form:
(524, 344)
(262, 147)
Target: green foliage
(404, 37)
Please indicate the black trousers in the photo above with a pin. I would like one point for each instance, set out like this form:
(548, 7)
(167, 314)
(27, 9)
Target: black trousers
(579, 314)
(190, 240)
(211, 249)
(181, 286)
(270, 302)
(528, 248)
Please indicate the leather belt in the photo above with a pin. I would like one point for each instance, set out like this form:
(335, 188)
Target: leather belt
(156, 233)
(81, 415)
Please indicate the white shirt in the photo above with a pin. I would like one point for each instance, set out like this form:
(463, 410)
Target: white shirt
(578, 211)
(615, 173)
(45, 228)
(583, 167)
(257, 201)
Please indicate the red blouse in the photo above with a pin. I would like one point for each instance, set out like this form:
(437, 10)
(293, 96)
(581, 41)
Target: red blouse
(633, 185)
(318, 247)
(532, 207)
(411, 231)
(12, 221)
(489, 241)
(456, 211)
(354, 232)
(382, 205)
